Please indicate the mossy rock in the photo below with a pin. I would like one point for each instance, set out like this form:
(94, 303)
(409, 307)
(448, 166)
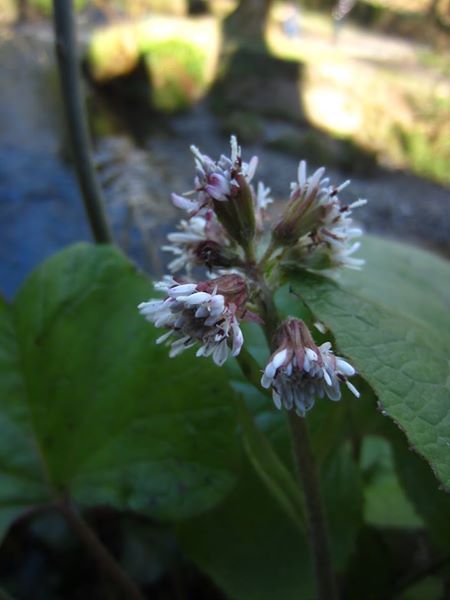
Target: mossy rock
(177, 72)
(112, 52)
(169, 74)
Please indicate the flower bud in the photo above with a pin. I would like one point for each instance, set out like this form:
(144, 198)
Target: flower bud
(232, 287)
(304, 210)
(237, 214)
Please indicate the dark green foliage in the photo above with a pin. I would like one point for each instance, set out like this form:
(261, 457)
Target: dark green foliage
(91, 406)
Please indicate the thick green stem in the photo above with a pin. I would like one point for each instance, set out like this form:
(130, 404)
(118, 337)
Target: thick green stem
(305, 464)
(100, 553)
(316, 521)
(69, 74)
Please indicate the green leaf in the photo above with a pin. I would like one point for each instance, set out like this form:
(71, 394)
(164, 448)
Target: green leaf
(90, 405)
(396, 343)
(385, 502)
(419, 483)
(342, 493)
(410, 281)
(278, 479)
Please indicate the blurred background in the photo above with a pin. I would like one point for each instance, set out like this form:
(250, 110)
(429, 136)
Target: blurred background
(362, 87)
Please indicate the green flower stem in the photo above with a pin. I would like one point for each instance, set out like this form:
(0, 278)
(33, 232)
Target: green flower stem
(316, 521)
(99, 552)
(304, 461)
(268, 253)
(66, 51)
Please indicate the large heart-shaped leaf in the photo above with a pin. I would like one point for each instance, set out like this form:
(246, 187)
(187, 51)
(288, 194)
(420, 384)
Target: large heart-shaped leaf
(90, 405)
(392, 321)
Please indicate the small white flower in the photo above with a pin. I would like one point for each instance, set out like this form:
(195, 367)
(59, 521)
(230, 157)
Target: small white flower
(299, 371)
(193, 316)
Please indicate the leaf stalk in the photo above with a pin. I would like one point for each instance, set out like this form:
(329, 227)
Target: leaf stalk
(74, 108)
(100, 553)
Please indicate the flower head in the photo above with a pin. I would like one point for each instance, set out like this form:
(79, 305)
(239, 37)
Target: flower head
(299, 371)
(195, 243)
(205, 313)
(317, 226)
(218, 180)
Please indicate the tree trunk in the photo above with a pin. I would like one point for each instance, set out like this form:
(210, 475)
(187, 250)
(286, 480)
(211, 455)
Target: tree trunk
(22, 11)
(246, 25)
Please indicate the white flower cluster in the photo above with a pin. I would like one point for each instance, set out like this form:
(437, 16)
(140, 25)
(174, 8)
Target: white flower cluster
(317, 225)
(299, 373)
(223, 231)
(215, 180)
(193, 316)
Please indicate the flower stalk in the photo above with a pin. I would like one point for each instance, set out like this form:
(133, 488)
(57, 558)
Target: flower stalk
(99, 552)
(306, 471)
(226, 233)
(316, 524)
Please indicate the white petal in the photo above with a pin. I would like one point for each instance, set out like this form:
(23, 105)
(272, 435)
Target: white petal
(164, 337)
(311, 354)
(266, 381)
(251, 168)
(358, 203)
(302, 173)
(182, 290)
(279, 358)
(276, 399)
(327, 377)
(344, 367)
(184, 203)
(238, 340)
(320, 327)
(235, 150)
(315, 178)
(343, 185)
(220, 353)
(197, 298)
(352, 388)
